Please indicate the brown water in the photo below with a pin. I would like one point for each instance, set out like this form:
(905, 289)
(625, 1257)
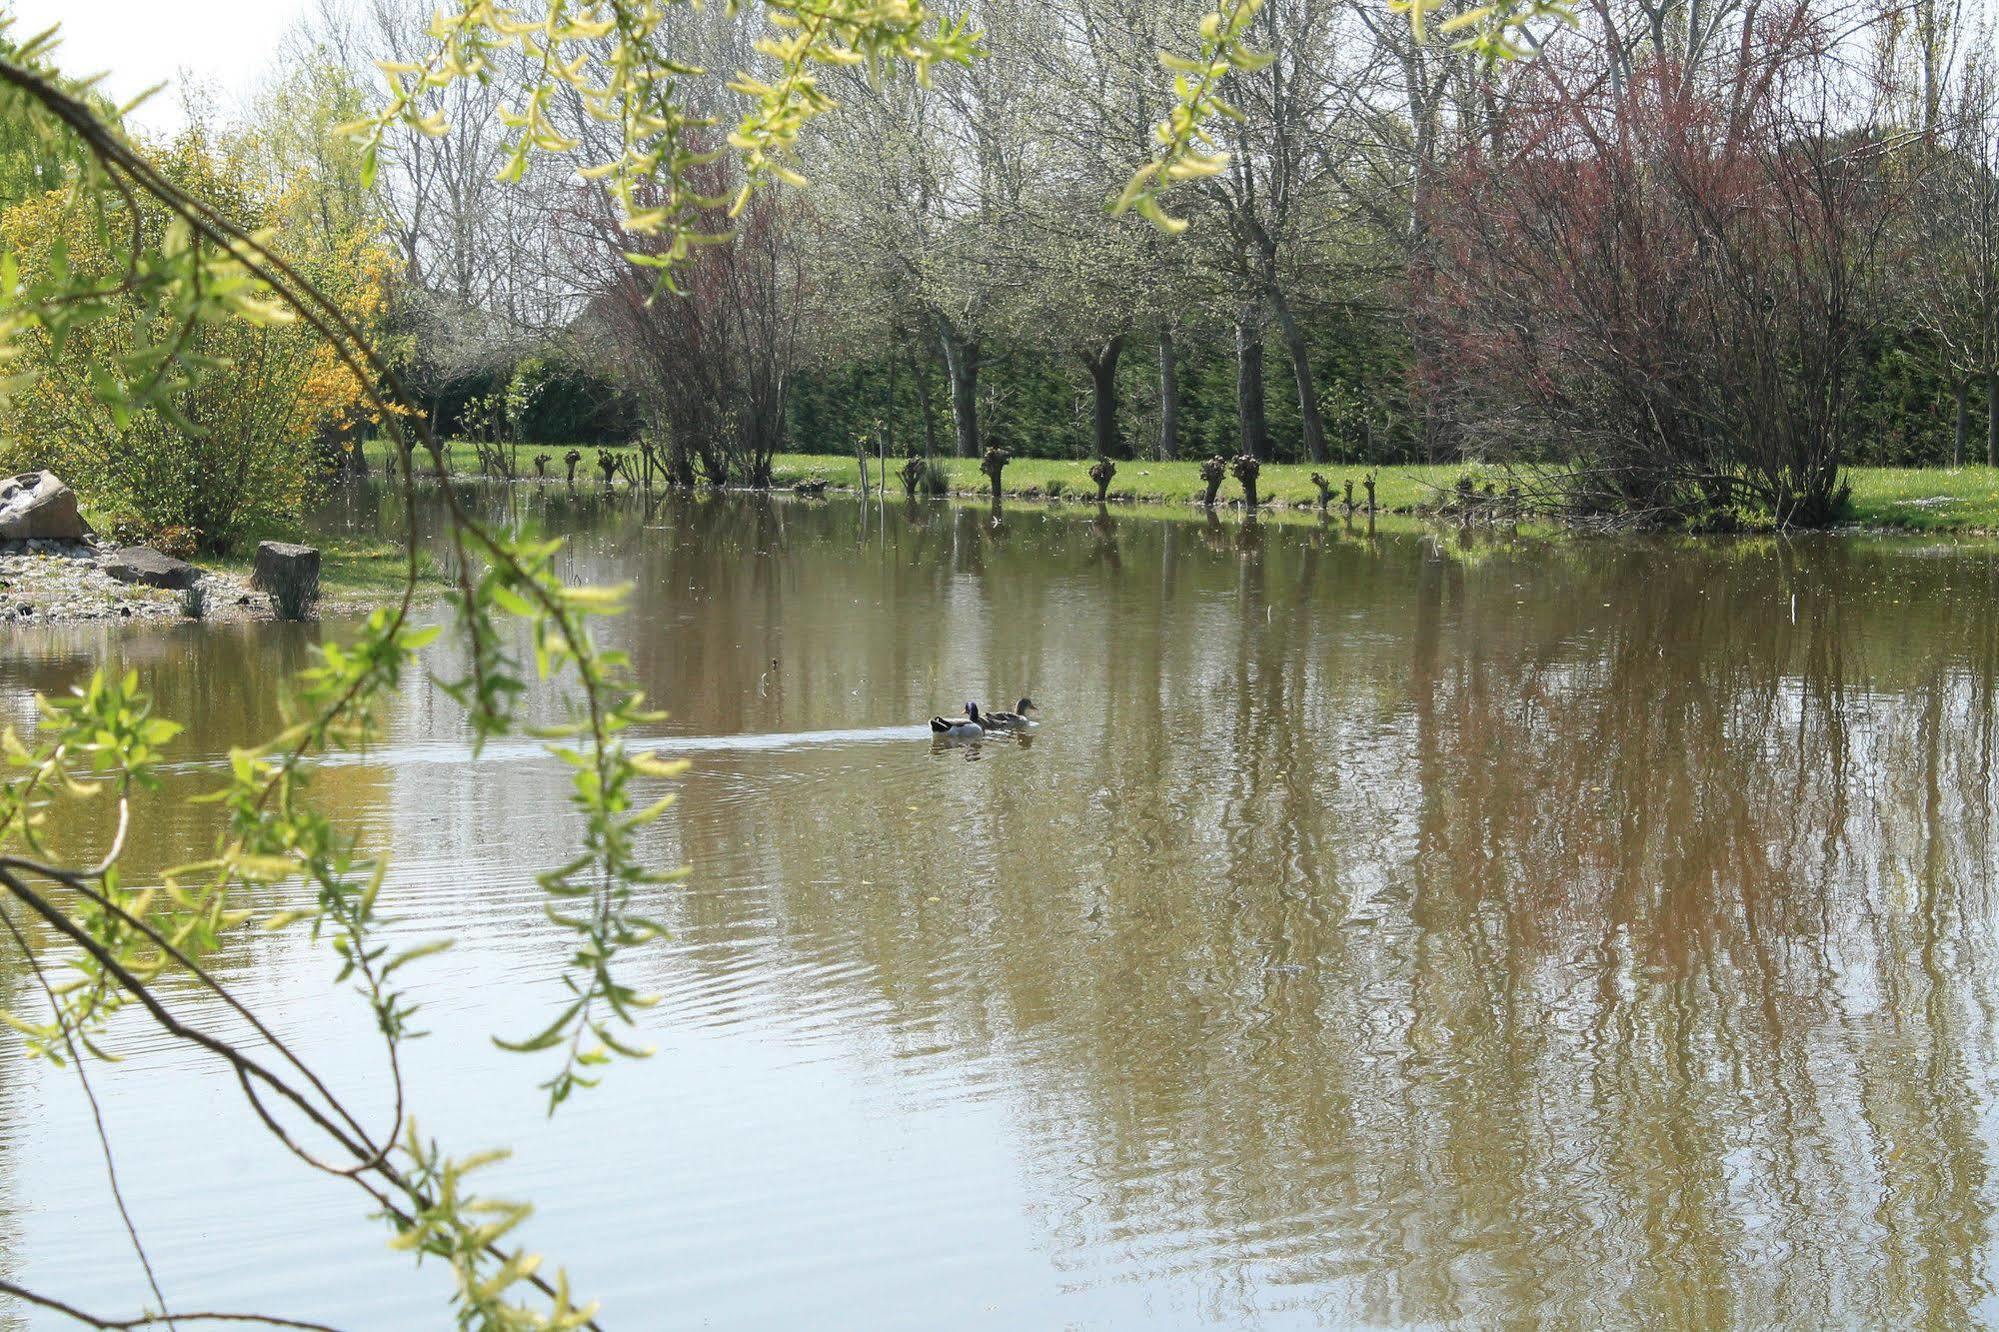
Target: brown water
(1391, 930)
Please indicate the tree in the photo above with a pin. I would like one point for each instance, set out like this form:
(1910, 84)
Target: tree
(1956, 244)
(204, 267)
(1674, 285)
(227, 452)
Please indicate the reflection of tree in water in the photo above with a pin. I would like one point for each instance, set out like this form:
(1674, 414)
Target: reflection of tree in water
(1428, 935)
(1391, 928)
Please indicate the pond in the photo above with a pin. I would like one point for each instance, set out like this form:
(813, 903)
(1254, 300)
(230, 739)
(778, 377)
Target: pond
(1389, 928)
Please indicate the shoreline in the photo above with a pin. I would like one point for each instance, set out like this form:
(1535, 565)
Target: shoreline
(64, 582)
(1885, 500)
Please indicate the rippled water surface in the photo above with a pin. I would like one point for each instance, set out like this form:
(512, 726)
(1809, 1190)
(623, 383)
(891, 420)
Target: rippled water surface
(1387, 929)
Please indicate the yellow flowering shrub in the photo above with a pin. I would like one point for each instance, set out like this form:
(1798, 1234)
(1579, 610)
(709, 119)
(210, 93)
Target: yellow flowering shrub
(226, 449)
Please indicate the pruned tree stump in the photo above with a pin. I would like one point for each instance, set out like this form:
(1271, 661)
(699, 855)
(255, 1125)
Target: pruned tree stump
(1245, 468)
(1325, 491)
(993, 464)
(1102, 473)
(1213, 472)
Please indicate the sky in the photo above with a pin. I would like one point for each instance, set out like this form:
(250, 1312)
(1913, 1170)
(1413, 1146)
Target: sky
(224, 45)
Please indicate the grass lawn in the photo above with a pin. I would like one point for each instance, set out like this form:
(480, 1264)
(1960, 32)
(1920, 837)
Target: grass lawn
(352, 570)
(1908, 499)
(1925, 499)
(1397, 487)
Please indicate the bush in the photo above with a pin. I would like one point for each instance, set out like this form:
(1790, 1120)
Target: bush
(208, 463)
(294, 596)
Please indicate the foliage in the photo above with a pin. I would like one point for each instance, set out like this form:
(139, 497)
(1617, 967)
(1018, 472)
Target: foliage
(711, 369)
(1358, 359)
(219, 440)
(615, 60)
(294, 592)
(1678, 286)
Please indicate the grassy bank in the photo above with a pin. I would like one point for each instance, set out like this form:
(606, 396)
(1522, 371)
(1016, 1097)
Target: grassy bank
(1160, 482)
(1925, 499)
(353, 571)
(1962, 499)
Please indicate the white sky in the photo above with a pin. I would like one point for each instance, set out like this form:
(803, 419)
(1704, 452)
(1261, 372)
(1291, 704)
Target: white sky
(224, 46)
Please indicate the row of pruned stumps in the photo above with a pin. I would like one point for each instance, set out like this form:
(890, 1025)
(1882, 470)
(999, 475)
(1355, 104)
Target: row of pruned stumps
(1326, 494)
(609, 461)
(1468, 502)
(1244, 467)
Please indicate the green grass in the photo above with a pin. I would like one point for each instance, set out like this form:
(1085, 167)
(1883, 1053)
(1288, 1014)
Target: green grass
(1907, 499)
(1925, 499)
(1397, 487)
(352, 570)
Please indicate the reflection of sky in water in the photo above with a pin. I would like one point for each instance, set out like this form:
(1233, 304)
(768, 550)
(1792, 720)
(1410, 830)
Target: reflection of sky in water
(1398, 930)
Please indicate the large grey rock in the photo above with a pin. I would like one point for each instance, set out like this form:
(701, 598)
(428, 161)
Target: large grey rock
(290, 574)
(143, 564)
(280, 564)
(37, 506)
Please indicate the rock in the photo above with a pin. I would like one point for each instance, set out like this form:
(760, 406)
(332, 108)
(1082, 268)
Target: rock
(38, 506)
(143, 564)
(280, 563)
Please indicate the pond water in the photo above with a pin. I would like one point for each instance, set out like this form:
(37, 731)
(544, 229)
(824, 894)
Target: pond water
(1382, 928)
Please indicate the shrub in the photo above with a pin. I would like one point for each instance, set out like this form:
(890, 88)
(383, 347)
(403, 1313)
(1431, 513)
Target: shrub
(294, 594)
(214, 457)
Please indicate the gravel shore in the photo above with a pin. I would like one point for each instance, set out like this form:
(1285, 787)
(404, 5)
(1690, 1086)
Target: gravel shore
(50, 582)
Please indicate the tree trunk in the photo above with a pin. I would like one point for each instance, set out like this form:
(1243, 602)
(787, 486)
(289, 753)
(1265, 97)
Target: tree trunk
(1962, 435)
(1255, 429)
(1169, 397)
(961, 359)
(1992, 415)
(1301, 368)
(1103, 387)
(921, 369)
(887, 421)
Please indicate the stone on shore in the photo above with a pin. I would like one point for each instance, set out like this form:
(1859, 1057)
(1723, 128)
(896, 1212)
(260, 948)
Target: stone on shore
(37, 506)
(143, 564)
(282, 564)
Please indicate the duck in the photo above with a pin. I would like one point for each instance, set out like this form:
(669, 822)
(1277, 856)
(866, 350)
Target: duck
(967, 727)
(1019, 719)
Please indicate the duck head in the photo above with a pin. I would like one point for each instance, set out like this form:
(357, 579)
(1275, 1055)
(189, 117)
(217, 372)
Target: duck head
(1026, 706)
(972, 711)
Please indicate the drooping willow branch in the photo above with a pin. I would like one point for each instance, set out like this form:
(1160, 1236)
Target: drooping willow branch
(274, 835)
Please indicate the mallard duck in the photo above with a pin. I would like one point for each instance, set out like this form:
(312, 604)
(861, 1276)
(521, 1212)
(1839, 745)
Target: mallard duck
(1019, 719)
(967, 727)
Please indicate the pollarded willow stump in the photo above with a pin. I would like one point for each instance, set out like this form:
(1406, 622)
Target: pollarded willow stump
(289, 575)
(1213, 472)
(1102, 473)
(912, 476)
(993, 464)
(1367, 482)
(570, 459)
(541, 461)
(1325, 491)
(1245, 468)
